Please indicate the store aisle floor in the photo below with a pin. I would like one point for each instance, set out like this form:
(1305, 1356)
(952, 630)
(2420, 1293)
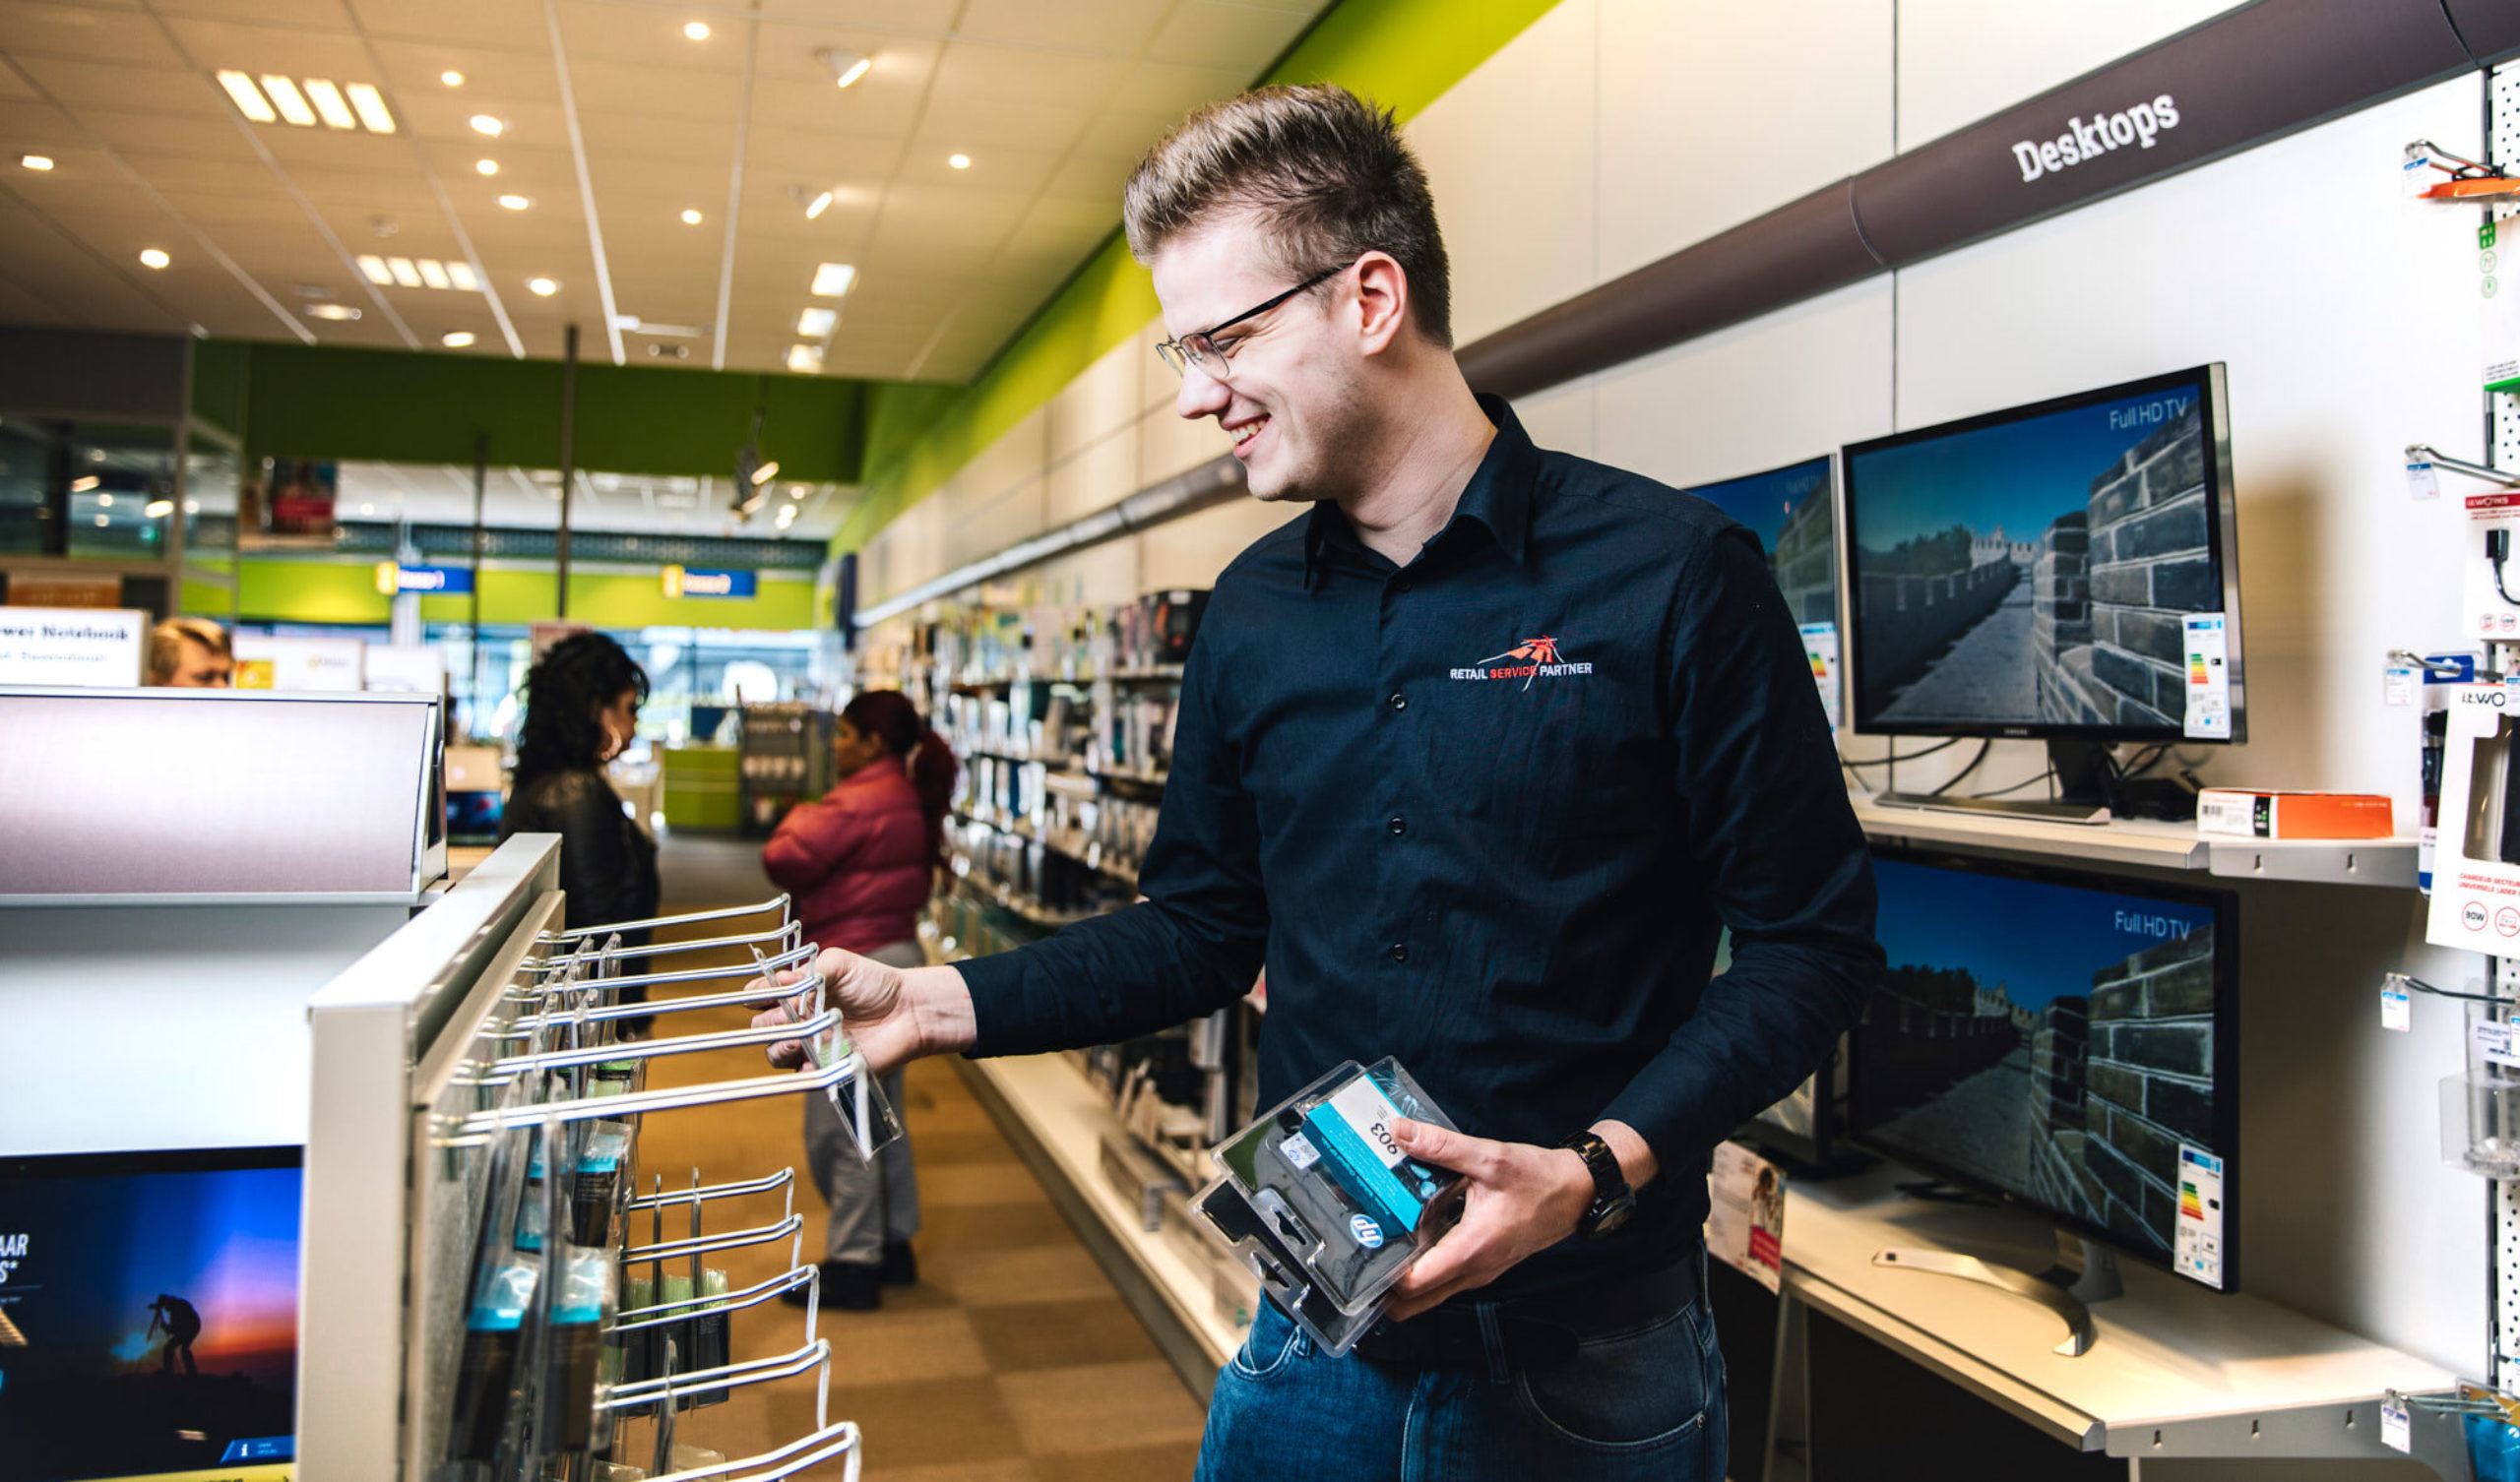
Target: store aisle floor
(1013, 1360)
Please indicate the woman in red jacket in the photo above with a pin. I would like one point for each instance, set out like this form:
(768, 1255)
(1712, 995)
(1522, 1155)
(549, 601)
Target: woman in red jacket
(860, 865)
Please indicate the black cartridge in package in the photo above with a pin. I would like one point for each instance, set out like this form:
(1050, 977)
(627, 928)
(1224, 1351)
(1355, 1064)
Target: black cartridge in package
(1324, 1206)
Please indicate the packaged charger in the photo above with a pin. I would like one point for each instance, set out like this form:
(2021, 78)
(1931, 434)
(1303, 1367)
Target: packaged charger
(1319, 1201)
(2476, 857)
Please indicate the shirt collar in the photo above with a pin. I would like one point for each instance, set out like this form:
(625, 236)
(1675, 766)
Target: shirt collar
(1498, 496)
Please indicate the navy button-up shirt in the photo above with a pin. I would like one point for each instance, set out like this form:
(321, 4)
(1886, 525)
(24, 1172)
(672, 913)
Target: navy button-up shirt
(1489, 813)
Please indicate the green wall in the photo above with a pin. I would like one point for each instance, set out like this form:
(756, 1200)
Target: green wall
(325, 402)
(345, 592)
(1401, 53)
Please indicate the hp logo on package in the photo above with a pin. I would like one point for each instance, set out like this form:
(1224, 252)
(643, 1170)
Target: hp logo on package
(1368, 1234)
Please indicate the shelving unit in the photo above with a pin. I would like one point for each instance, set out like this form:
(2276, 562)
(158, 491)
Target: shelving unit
(2389, 862)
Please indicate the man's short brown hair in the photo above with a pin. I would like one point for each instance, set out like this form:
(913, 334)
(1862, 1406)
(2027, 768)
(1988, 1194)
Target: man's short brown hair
(1326, 171)
(167, 645)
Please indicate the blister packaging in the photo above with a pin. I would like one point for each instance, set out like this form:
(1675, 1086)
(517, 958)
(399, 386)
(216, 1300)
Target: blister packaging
(1318, 1200)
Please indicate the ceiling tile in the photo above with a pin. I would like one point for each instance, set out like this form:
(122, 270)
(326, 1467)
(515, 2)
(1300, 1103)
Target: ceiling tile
(245, 180)
(1238, 37)
(1170, 89)
(350, 151)
(82, 85)
(820, 107)
(447, 117)
(171, 135)
(306, 15)
(647, 134)
(974, 124)
(786, 52)
(1114, 28)
(639, 31)
(527, 171)
(1092, 177)
(517, 24)
(37, 126)
(604, 87)
(1018, 75)
(93, 36)
(296, 52)
(824, 155)
(14, 84)
(415, 68)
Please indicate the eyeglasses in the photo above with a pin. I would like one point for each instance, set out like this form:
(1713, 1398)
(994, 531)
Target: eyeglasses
(1214, 361)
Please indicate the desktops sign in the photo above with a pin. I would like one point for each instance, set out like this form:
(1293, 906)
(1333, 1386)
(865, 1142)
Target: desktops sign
(2140, 127)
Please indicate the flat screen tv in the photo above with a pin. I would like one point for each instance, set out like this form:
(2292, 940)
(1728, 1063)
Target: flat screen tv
(1789, 510)
(148, 1314)
(2063, 1040)
(2034, 572)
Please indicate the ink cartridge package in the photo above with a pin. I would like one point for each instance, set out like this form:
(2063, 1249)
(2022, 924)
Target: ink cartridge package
(1318, 1200)
(573, 1357)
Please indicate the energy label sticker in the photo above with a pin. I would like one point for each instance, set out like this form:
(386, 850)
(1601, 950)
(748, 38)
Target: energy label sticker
(2209, 678)
(2197, 1248)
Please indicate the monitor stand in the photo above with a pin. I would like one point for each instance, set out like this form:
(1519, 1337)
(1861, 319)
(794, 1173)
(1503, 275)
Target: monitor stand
(2084, 776)
(2085, 1272)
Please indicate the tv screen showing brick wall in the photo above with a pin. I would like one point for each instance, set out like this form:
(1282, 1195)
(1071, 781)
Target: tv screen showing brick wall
(2028, 572)
(2059, 1038)
(1788, 510)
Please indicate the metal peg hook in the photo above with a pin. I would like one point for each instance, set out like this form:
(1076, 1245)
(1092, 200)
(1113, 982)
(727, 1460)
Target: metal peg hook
(777, 903)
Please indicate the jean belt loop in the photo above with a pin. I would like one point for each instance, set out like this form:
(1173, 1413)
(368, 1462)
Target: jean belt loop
(1492, 1338)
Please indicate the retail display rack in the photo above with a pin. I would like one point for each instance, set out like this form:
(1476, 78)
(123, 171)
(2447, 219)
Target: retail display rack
(473, 1313)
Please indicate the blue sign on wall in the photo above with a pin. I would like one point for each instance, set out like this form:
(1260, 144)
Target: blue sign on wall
(691, 582)
(390, 579)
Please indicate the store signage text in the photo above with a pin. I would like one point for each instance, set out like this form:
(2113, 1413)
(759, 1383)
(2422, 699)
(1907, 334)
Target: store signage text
(2140, 125)
(392, 579)
(686, 582)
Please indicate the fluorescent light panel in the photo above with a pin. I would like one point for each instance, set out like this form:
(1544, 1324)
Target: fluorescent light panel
(432, 272)
(290, 102)
(404, 272)
(831, 279)
(418, 272)
(370, 104)
(248, 98)
(463, 277)
(805, 360)
(374, 268)
(814, 323)
(330, 104)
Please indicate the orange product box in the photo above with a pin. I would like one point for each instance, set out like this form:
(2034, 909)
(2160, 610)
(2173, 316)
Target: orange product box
(2248, 814)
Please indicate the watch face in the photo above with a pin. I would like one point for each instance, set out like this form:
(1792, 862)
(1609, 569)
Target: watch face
(1613, 1217)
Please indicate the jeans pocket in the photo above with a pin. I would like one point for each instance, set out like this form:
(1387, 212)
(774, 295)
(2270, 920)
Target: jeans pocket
(1628, 1391)
(1274, 1341)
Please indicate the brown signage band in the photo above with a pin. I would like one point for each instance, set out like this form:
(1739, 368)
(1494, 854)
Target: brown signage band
(2239, 80)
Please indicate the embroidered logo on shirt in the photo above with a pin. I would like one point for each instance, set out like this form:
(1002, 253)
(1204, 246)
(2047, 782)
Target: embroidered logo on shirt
(1531, 659)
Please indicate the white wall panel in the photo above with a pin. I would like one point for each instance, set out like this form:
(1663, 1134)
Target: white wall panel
(1099, 402)
(1170, 445)
(1713, 112)
(1961, 60)
(1785, 386)
(1192, 551)
(1094, 475)
(2349, 332)
(1561, 417)
(1509, 152)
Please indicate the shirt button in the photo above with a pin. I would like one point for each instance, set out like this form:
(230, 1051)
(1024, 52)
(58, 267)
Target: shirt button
(1399, 952)
(1400, 701)
(1404, 584)
(1398, 825)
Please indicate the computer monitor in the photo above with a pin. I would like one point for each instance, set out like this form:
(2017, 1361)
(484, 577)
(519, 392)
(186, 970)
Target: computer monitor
(2064, 570)
(148, 1314)
(2067, 1041)
(1789, 509)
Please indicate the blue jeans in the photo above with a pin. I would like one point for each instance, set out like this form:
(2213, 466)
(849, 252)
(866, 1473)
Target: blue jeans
(1644, 1402)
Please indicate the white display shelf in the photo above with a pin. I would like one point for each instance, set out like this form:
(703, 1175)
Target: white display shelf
(2160, 845)
(2177, 1369)
(1056, 1120)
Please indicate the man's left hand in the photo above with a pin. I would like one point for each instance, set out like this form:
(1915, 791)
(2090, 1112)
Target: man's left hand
(1521, 1200)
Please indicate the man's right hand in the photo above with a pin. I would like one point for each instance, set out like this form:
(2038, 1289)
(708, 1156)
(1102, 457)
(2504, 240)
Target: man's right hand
(893, 1015)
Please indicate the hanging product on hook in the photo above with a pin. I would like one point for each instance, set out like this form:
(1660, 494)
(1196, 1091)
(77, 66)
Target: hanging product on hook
(2464, 181)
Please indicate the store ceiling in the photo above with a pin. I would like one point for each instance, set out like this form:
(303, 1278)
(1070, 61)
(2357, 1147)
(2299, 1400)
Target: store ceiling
(529, 499)
(616, 124)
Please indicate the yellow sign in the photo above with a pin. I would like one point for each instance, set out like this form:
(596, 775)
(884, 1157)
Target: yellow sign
(256, 674)
(673, 580)
(388, 577)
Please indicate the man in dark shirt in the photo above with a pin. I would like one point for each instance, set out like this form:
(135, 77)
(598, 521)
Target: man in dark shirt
(1480, 753)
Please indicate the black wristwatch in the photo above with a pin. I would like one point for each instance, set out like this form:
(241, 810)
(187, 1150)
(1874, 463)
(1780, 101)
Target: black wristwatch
(1613, 1201)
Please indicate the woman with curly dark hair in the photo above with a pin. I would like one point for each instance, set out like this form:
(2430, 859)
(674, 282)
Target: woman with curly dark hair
(580, 709)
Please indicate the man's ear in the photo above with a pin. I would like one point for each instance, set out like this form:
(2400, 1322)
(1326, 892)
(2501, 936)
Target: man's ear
(1382, 301)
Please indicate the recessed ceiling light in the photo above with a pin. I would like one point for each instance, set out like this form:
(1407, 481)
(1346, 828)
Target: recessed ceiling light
(483, 123)
(247, 97)
(370, 104)
(690, 217)
(457, 340)
(433, 273)
(328, 102)
(192, 506)
(44, 162)
(375, 268)
(485, 166)
(84, 483)
(831, 279)
(846, 67)
(698, 30)
(158, 508)
(105, 500)
(814, 323)
(150, 257)
(290, 102)
(367, 509)
(515, 202)
(451, 77)
(958, 161)
(804, 359)
(103, 521)
(817, 205)
(404, 272)
(462, 276)
(341, 312)
(542, 287)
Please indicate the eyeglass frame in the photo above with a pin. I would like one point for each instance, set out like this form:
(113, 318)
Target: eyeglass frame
(1184, 352)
